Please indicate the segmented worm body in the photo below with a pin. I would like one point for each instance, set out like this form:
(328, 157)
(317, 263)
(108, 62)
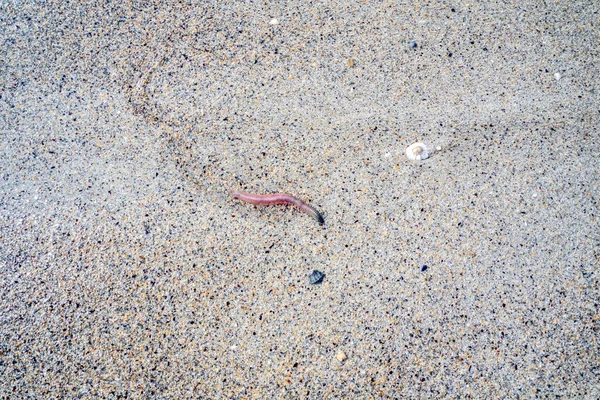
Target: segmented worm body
(279, 198)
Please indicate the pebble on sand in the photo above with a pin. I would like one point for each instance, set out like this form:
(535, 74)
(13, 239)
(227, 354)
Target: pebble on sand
(341, 356)
(315, 277)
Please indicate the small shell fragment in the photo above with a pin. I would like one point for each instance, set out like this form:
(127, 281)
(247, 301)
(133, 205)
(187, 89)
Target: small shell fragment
(341, 356)
(417, 151)
(315, 277)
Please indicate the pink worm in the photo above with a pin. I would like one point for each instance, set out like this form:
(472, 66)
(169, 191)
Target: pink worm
(279, 198)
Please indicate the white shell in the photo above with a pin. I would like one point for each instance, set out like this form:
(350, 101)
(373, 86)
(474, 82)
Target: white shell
(417, 151)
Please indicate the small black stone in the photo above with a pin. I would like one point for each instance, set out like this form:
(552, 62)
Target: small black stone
(424, 268)
(413, 44)
(315, 277)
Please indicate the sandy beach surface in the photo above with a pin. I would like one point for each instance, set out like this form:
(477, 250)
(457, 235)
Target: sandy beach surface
(128, 271)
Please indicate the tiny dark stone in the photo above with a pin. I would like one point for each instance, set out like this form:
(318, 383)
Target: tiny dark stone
(413, 44)
(315, 277)
(424, 268)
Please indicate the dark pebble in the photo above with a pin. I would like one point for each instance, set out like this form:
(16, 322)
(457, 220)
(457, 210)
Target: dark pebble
(424, 268)
(315, 277)
(413, 44)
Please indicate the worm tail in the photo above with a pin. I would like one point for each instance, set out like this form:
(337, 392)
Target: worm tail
(305, 208)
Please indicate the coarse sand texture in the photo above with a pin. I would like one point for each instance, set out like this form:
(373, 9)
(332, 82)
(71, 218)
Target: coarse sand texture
(467, 268)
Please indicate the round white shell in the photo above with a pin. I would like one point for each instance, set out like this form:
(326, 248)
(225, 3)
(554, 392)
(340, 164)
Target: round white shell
(417, 151)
